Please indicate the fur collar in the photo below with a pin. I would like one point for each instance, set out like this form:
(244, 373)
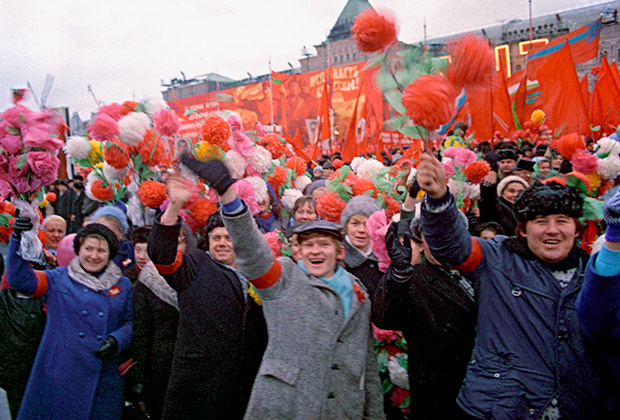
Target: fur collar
(105, 281)
(150, 277)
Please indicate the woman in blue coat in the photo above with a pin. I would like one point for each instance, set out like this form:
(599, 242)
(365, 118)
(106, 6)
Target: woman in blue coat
(89, 322)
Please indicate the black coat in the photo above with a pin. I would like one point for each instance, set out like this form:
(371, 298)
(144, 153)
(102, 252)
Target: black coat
(437, 318)
(154, 334)
(496, 209)
(220, 339)
(364, 268)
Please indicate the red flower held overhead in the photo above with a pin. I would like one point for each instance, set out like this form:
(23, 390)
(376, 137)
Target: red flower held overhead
(100, 192)
(272, 142)
(472, 62)
(429, 101)
(374, 31)
(116, 154)
(330, 206)
(151, 148)
(152, 193)
(215, 131)
(477, 171)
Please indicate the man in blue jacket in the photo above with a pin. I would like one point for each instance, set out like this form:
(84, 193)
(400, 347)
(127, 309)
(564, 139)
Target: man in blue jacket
(531, 359)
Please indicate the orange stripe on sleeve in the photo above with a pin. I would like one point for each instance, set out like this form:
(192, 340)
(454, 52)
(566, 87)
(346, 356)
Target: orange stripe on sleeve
(41, 284)
(474, 259)
(171, 268)
(270, 277)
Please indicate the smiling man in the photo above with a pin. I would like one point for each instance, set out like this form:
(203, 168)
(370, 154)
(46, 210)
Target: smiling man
(531, 359)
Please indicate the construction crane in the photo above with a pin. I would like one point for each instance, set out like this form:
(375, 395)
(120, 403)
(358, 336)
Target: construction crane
(92, 93)
(49, 80)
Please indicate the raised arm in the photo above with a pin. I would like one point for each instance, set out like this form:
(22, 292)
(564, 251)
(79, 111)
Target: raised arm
(19, 273)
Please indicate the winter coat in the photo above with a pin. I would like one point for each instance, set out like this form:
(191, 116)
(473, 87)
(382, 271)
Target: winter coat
(21, 326)
(366, 269)
(530, 352)
(67, 380)
(318, 365)
(221, 334)
(496, 209)
(598, 307)
(438, 319)
(155, 330)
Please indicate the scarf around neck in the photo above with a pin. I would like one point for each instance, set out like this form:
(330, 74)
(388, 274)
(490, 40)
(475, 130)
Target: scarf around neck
(150, 277)
(340, 282)
(105, 281)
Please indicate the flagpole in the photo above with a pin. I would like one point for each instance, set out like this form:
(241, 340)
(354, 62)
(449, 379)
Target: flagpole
(531, 34)
(271, 93)
(425, 45)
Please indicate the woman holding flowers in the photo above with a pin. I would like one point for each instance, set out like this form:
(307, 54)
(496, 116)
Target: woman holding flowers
(89, 322)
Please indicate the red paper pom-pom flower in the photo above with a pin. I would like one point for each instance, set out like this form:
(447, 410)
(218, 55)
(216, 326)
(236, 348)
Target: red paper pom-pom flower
(296, 164)
(5, 233)
(50, 197)
(100, 192)
(201, 210)
(273, 240)
(151, 148)
(472, 62)
(152, 193)
(362, 185)
(7, 207)
(429, 101)
(584, 162)
(373, 31)
(554, 179)
(272, 142)
(278, 178)
(337, 163)
(477, 171)
(329, 206)
(166, 123)
(392, 206)
(567, 145)
(114, 110)
(215, 131)
(104, 128)
(116, 154)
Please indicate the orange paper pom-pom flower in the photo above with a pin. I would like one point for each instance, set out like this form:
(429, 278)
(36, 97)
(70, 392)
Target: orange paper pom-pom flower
(567, 145)
(296, 164)
(373, 31)
(7, 207)
(429, 101)
(477, 171)
(554, 179)
(151, 148)
(330, 206)
(337, 163)
(215, 131)
(278, 178)
(201, 210)
(472, 62)
(50, 197)
(116, 154)
(100, 192)
(272, 142)
(152, 193)
(362, 185)
(392, 206)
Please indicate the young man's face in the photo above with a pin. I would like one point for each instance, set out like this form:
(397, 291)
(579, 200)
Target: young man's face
(506, 165)
(357, 232)
(320, 255)
(551, 237)
(220, 246)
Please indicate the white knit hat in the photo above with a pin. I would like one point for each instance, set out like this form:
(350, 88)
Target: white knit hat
(509, 180)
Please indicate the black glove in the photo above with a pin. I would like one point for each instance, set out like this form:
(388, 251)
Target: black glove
(414, 189)
(214, 172)
(399, 253)
(20, 225)
(108, 349)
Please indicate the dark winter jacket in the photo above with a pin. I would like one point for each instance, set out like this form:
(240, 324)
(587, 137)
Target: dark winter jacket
(530, 351)
(437, 316)
(364, 268)
(221, 335)
(496, 209)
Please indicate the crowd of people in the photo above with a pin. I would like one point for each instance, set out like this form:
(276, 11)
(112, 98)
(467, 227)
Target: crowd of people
(506, 310)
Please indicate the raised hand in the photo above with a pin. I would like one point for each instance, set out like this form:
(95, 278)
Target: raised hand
(400, 253)
(431, 176)
(214, 172)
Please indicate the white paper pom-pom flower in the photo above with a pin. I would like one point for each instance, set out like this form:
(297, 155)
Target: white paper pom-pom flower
(474, 191)
(77, 147)
(260, 188)
(369, 168)
(260, 159)
(411, 176)
(608, 146)
(289, 196)
(235, 163)
(132, 128)
(457, 188)
(90, 178)
(153, 105)
(398, 374)
(302, 181)
(609, 168)
(356, 162)
(112, 173)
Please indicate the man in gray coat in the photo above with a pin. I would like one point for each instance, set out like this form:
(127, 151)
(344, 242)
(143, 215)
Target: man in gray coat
(319, 362)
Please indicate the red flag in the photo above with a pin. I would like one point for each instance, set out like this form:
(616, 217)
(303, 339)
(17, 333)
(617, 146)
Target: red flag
(585, 92)
(614, 72)
(561, 93)
(480, 108)
(605, 108)
(297, 142)
(324, 123)
(502, 112)
(583, 44)
(349, 150)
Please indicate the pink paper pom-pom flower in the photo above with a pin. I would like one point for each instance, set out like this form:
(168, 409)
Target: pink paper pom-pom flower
(584, 162)
(104, 128)
(464, 156)
(377, 227)
(166, 123)
(246, 192)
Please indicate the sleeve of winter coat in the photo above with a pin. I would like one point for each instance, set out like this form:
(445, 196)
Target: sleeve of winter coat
(125, 331)
(20, 274)
(162, 249)
(143, 329)
(598, 308)
(390, 301)
(373, 406)
(253, 256)
(447, 236)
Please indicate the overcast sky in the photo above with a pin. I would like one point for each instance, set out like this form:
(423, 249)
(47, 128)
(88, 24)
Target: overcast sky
(125, 48)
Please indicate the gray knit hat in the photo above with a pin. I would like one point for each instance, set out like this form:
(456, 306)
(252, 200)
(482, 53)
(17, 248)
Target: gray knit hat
(363, 205)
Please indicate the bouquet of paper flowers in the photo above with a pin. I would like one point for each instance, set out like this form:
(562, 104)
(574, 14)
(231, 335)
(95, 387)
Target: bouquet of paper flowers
(391, 350)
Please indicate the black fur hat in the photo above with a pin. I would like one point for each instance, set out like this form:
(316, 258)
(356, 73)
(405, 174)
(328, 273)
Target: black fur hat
(543, 199)
(96, 229)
